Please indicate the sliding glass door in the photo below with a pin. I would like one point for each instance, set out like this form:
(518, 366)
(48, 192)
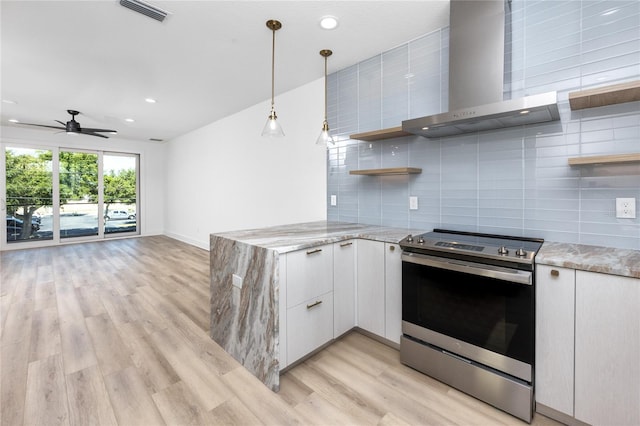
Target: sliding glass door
(120, 193)
(28, 197)
(52, 195)
(78, 173)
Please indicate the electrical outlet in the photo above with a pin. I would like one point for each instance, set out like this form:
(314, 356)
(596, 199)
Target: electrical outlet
(626, 208)
(334, 200)
(413, 203)
(236, 280)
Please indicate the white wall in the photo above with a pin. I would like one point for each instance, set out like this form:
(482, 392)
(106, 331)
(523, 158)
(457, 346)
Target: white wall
(152, 178)
(225, 176)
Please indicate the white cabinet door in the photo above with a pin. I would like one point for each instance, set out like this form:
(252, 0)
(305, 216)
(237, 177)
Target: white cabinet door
(555, 291)
(309, 326)
(607, 362)
(371, 316)
(309, 273)
(344, 286)
(393, 292)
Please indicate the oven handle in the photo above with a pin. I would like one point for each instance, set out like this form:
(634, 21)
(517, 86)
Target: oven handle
(491, 271)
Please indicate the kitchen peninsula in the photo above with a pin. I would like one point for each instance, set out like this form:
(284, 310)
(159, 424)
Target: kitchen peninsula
(248, 273)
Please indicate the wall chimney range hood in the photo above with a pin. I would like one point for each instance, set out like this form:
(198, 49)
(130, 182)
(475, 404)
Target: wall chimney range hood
(476, 77)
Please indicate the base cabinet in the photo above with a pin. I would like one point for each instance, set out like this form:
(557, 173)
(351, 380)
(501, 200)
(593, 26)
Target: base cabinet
(555, 296)
(393, 292)
(370, 289)
(380, 289)
(344, 286)
(308, 297)
(309, 326)
(607, 364)
(588, 345)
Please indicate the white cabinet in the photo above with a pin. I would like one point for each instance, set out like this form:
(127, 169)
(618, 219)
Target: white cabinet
(588, 345)
(309, 326)
(309, 301)
(555, 290)
(380, 289)
(393, 292)
(344, 286)
(309, 273)
(607, 362)
(370, 290)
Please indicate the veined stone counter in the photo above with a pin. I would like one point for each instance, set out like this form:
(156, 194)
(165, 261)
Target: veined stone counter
(245, 308)
(605, 260)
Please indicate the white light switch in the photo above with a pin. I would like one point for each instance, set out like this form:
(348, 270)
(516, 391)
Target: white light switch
(334, 200)
(626, 208)
(413, 203)
(236, 280)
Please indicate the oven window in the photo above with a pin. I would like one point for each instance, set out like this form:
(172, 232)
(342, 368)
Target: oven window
(492, 314)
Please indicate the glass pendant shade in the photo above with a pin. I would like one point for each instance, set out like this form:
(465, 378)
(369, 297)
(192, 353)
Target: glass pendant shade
(272, 128)
(325, 138)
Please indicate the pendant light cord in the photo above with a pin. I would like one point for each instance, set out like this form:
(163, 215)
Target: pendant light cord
(273, 66)
(325, 88)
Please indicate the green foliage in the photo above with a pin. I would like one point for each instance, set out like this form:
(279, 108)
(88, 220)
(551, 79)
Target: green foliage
(78, 176)
(28, 180)
(120, 187)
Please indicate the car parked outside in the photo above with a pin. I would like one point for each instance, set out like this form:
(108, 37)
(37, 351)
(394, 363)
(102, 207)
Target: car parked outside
(14, 228)
(119, 215)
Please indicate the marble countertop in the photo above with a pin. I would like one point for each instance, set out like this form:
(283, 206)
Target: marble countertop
(286, 238)
(299, 236)
(606, 260)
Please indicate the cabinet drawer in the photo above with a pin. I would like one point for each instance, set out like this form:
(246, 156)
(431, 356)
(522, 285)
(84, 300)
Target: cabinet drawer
(309, 326)
(309, 274)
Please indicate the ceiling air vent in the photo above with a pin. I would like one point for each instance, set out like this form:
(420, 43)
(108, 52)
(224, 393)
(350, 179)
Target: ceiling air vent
(145, 8)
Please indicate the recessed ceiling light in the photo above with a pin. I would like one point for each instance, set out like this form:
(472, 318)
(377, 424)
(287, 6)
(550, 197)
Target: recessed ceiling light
(150, 100)
(8, 101)
(129, 120)
(525, 111)
(13, 120)
(329, 22)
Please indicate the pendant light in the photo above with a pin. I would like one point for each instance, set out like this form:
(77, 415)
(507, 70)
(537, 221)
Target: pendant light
(272, 127)
(325, 138)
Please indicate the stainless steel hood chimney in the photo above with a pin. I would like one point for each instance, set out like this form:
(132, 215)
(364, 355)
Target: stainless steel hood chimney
(476, 77)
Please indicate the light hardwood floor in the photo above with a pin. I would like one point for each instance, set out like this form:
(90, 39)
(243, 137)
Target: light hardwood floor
(116, 333)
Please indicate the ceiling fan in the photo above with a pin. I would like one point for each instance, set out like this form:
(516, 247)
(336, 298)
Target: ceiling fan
(72, 126)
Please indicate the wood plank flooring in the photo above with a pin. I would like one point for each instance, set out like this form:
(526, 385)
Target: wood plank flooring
(116, 333)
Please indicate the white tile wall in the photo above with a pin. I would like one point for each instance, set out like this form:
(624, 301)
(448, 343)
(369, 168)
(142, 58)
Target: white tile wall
(512, 181)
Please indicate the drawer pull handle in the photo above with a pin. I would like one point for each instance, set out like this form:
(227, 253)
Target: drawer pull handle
(392, 248)
(316, 303)
(345, 244)
(314, 251)
(555, 273)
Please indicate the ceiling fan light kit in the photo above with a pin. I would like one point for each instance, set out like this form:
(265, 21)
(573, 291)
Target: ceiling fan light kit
(272, 128)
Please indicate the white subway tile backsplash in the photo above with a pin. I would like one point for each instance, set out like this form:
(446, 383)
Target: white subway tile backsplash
(513, 181)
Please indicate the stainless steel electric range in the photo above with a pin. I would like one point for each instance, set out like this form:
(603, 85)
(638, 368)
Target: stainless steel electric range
(468, 314)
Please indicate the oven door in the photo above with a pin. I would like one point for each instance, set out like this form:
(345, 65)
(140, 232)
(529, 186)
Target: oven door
(482, 312)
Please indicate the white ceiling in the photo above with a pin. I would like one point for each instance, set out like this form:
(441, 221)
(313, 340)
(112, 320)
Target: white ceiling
(207, 60)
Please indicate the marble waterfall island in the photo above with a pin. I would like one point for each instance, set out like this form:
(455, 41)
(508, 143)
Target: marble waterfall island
(245, 286)
(244, 313)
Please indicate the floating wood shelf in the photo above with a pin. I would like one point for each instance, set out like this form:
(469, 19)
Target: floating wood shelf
(376, 135)
(387, 172)
(604, 159)
(608, 95)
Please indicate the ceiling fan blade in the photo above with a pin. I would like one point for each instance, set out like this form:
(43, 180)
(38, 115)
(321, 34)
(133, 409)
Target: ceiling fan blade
(84, 132)
(58, 121)
(43, 125)
(89, 129)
